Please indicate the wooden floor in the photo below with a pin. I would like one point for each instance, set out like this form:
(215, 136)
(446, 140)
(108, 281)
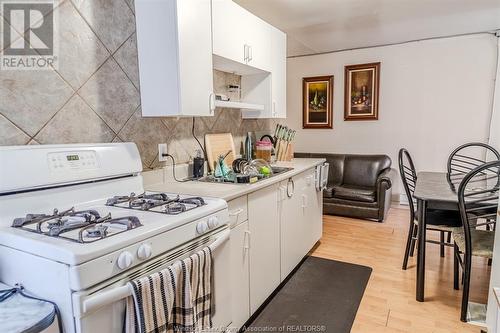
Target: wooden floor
(389, 303)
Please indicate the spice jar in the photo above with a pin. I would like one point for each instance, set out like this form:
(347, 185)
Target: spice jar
(263, 150)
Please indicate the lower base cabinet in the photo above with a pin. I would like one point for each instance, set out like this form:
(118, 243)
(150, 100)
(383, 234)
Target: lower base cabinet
(284, 222)
(240, 278)
(264, 244)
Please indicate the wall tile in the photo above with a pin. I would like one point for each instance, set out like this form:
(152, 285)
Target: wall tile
(33, 142)
(111, 94)
(126, 57)
(228, 121)
(80, 51)
(30, 98)
(75, 123)
(111, 20)
(147, 133)
(131, 4)
(10, 134)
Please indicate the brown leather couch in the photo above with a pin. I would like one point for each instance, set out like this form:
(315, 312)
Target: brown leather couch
(358, 185)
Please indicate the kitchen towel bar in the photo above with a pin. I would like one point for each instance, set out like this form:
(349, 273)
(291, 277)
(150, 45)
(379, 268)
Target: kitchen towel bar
(108, 297)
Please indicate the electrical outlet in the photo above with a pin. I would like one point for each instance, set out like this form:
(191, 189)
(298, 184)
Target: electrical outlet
(162, 149)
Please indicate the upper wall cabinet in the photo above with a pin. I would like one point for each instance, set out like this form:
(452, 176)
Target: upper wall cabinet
(246, 45)
(240, 36)
(278, 70)
(174, 40)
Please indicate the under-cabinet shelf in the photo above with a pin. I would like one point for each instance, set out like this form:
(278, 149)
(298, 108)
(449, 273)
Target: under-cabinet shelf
(239, 105)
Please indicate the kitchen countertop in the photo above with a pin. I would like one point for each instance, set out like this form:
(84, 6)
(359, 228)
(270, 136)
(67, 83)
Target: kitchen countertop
(232, 191)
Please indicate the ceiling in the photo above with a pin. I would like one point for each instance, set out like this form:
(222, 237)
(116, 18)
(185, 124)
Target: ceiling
(315, 26)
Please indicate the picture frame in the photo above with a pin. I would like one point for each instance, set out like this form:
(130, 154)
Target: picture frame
(361, 90)
(317, 97)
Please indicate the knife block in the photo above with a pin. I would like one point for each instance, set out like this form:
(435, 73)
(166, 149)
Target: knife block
(289, 154)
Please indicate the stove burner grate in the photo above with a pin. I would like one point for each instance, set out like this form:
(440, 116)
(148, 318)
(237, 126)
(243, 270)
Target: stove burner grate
(145, 202)
(89, 223)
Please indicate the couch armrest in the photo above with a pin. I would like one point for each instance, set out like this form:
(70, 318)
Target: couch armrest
(384, 192)
(384, 180)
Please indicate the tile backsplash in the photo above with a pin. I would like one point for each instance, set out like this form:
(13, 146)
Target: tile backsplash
(94, 94)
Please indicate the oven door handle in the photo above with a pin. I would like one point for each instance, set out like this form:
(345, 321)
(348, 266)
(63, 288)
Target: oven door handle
(113, 295)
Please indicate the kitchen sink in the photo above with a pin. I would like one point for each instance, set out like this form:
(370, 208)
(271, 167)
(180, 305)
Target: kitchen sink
(212, 179)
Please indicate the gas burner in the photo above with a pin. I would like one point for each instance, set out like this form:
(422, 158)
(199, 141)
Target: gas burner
(141, 202)
(97, 231)
(40, 218)
(69, 221)
(148, 201)
(120, 199)
(175, 208)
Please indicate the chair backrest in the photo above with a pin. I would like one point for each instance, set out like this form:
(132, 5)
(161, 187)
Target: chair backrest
(478, 197)
(408, 177)
(466, 158)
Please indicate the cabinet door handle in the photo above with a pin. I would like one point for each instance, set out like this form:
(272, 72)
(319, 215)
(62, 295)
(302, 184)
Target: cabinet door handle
(236, 212)
(212, 103)
(245, 53)
(247, 239)
(250, 57)
(289, 192)
(274, 109)
(304, 201)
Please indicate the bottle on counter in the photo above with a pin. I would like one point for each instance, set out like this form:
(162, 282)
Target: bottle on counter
(249, 147)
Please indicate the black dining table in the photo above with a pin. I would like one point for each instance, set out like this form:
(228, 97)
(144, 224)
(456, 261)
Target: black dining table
(432, 191)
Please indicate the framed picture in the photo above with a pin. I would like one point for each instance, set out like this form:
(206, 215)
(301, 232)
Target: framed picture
(361, 91)
(317, 96)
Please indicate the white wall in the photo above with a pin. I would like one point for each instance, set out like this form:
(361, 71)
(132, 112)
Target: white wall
(493, 308)
(434, 95)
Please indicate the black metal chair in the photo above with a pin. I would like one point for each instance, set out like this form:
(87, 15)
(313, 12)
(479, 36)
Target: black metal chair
(466, 158)
(437, 220)
(478, 204)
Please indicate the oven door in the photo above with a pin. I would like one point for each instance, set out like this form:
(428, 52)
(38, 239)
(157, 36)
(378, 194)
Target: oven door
(102, 308)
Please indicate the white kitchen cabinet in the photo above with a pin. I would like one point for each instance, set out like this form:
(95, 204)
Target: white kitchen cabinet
(264, 227)
(240, 36)
(291, 226)
(313, 209)
(240, 278)
(300, 211)
(228, 30)
(174, 42)
(268, 89)
(246, 45)
(278, 73)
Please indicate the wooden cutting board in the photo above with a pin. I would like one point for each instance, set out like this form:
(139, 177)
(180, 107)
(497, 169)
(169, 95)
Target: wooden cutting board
(219, 144)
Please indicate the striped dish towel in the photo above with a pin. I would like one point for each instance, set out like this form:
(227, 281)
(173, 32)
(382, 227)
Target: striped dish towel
(176, 299)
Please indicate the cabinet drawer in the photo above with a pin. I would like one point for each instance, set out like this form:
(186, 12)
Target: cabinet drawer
(238, 211)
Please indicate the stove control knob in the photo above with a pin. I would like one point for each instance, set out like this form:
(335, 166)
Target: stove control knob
(213, 222)
(202, 227)
(124, 260)
(144, 251)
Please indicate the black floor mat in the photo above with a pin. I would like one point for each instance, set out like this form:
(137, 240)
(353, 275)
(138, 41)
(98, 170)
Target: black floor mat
(322, 296)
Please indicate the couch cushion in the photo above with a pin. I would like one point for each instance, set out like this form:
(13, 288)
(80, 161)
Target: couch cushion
(363, 170)
(354, 193)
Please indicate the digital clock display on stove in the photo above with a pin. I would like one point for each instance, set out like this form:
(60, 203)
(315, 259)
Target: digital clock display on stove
(72, 157)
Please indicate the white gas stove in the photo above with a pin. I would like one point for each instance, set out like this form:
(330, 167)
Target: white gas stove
(75, 223)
